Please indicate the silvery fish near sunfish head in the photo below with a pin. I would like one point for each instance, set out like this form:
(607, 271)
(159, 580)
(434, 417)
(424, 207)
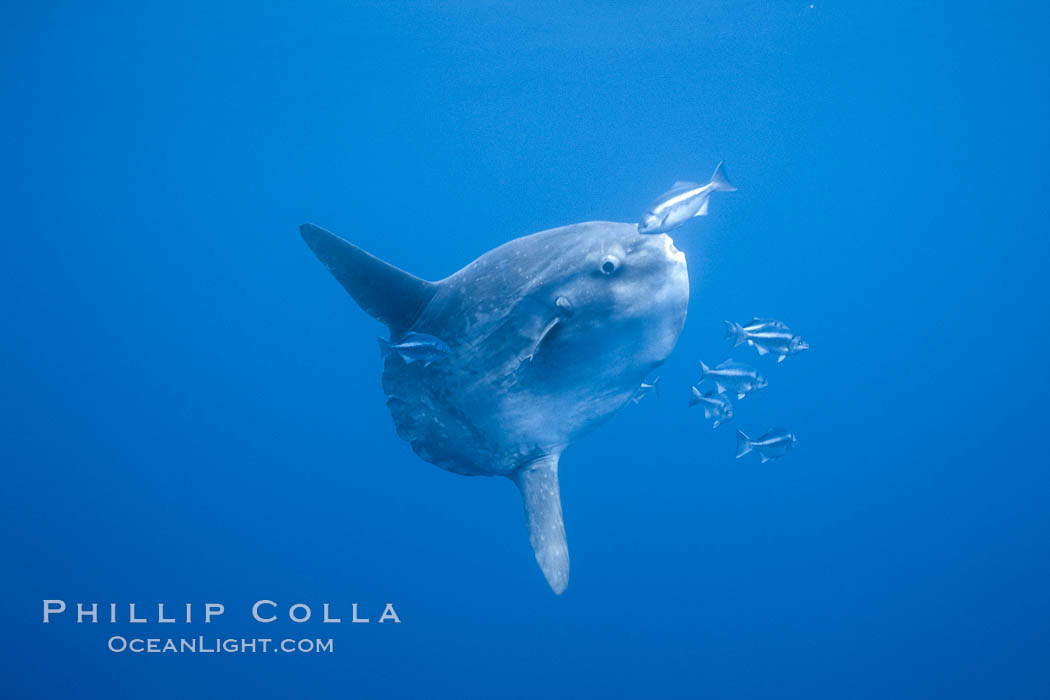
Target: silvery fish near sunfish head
(739, 331)
(416, 347)
(716, 406)
(774, 444)
(766, 336)
(549, 335)
(733, 377)
(682, 202)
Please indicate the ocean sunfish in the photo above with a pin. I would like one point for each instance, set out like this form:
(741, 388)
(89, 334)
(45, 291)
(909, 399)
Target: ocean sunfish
(548, 336)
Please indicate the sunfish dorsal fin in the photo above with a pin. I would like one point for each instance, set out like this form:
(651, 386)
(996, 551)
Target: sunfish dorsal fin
(391, 295)
(538, 482)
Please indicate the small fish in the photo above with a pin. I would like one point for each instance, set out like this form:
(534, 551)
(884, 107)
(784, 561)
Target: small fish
(758, 324)
(416, 347)
(682, 202)
(774, 444)
(716, 406)
(733, 377)
(766, 336)
(646, 389)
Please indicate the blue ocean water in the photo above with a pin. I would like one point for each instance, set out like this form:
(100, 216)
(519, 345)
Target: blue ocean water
(192, 409)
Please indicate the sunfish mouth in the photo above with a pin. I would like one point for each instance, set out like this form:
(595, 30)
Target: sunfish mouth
(672, 252)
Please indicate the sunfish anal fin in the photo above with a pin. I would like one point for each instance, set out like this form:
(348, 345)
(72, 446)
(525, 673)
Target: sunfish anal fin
(703, 209)
(538, 482)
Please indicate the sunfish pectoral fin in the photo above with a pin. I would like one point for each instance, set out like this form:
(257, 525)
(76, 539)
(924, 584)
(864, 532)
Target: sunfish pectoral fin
(391, 295)
(702, 211)
(543, 336)
(538, 482)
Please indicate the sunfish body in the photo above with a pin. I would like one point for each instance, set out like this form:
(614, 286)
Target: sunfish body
(682, 202)
(548, 336)
(766, 336)
(774, 444)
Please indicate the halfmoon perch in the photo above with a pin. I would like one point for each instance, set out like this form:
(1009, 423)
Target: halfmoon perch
(549, 335)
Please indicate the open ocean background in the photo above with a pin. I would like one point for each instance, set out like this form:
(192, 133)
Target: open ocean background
(192, 409)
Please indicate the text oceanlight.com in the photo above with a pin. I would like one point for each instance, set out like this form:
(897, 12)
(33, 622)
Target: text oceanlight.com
(202, 645)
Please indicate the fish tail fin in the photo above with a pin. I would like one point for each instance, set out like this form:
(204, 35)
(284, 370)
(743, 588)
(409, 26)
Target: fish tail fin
(694, 397)
(743, 444)
(720, 181)
(736, 332)
(384, 347)
(704, 369)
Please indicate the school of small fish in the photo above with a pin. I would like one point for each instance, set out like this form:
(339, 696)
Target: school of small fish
(768, 337)
(734, 380)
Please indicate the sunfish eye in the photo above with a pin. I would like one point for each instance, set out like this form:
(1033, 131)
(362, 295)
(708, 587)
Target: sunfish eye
(610, 264)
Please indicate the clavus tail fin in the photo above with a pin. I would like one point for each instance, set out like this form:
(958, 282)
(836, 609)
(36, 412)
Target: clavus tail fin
(538, 483)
